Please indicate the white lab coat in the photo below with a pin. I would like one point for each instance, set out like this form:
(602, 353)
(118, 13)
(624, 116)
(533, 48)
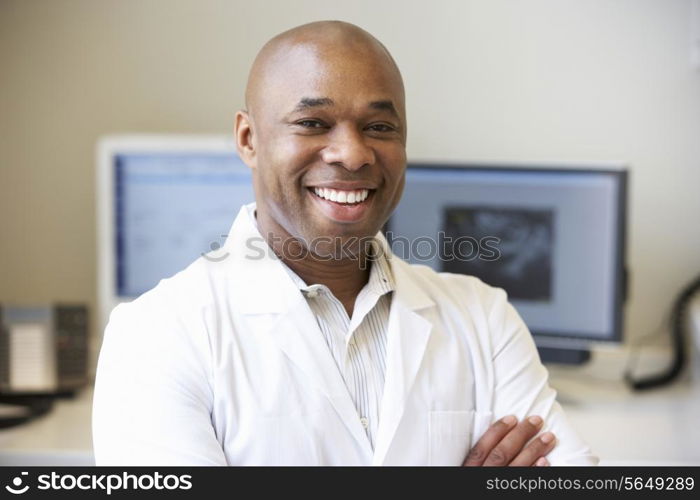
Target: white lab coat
(224, 363)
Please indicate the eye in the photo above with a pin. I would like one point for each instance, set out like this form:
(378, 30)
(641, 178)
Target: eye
(311, 124)
(381, 127)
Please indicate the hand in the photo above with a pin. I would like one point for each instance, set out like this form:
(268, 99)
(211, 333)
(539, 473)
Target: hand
(504, 444)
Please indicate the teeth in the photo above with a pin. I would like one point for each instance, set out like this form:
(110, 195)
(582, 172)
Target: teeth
(339, 196)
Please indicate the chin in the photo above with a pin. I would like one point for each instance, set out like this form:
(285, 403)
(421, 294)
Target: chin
(342, 237)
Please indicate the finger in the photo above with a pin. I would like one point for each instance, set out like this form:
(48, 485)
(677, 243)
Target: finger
(542, 462)
(513, 442)
(491, 438)
(535, 449)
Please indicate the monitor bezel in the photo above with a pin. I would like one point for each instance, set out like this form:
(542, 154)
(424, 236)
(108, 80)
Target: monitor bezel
(620, 173)
(107, 151)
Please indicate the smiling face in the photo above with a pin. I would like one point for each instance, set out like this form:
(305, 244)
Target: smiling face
(325, 135)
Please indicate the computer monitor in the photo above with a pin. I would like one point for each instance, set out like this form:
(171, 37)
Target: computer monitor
(553, 238)
(162, 202)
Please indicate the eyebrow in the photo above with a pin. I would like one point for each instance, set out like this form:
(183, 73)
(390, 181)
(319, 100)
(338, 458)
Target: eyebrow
(306, 103)
(384, 105)
(313, 102)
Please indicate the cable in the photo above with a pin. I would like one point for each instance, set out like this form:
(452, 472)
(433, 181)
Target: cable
(636, 348)
(678, 341)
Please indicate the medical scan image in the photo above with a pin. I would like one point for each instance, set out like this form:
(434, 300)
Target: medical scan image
(522, 238)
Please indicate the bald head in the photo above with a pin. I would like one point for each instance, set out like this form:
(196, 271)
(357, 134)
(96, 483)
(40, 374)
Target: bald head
(331, 42)
(325, 110)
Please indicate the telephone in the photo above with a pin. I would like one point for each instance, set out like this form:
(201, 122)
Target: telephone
(43, 355)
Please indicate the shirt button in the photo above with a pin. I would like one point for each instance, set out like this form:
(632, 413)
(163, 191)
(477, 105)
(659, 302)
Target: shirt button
(312, 293)
(364, 422)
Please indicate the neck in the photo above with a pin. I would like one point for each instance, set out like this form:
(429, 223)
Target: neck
(344, 277)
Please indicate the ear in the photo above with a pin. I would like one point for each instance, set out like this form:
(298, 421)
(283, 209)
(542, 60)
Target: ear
(245, 143)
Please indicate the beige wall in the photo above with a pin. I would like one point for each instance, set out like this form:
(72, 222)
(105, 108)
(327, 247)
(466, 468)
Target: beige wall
(487, 80)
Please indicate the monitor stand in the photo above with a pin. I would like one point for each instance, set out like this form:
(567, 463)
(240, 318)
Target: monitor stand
(564, 356)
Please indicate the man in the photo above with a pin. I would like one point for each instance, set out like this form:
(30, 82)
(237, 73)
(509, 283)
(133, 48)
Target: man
(307, 345)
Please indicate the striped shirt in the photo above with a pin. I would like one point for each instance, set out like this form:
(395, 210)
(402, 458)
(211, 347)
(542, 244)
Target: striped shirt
(358, 344)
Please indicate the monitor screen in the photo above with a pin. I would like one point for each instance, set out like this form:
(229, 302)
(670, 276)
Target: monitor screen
(170, 208)
(551, 238)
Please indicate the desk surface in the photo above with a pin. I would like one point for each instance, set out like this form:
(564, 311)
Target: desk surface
(623, 428)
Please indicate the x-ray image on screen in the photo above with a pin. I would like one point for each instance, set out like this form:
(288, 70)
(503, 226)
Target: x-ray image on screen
(523, 264)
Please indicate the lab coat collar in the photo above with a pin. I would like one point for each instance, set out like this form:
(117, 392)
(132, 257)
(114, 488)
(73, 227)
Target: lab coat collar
(264, 289)
(256, 272)
(269, 288)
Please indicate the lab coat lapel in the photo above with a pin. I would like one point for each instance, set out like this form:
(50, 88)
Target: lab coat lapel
(275, 307)
(297, 334)
(408, 335)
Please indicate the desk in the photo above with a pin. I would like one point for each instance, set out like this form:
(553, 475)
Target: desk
(622, 427)
(659, 427)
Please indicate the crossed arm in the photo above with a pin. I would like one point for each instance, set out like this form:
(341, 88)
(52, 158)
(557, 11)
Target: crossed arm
(522, 392)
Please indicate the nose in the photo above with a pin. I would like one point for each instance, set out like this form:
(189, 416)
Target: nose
(347, 148)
